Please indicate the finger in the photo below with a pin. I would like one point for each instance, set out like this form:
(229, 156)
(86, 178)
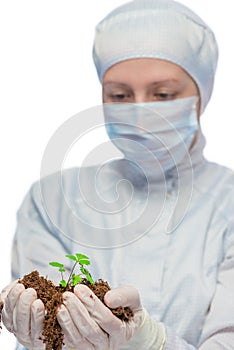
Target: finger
(22, 314)
(37, 318)
(88, 328)
(6, 290)
(123, 296)
(97, 310)
(9, 305)
(72, 337)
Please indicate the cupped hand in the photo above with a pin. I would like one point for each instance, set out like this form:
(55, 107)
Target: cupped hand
(88, 324)
(23, 315)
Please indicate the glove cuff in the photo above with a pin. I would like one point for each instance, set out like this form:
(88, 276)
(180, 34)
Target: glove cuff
(151, 335)
(154, 332)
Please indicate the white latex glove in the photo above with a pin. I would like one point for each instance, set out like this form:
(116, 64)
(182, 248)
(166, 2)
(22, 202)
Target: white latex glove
(23, 315)
(88, 324)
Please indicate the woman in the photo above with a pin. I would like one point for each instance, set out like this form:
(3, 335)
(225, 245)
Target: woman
(173, 241)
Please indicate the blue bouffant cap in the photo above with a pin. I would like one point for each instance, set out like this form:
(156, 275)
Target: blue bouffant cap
(162, 29)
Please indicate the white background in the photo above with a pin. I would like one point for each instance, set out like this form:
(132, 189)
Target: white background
(47, 76)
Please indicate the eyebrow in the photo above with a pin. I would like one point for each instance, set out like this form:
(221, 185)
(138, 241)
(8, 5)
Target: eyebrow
(156, 83)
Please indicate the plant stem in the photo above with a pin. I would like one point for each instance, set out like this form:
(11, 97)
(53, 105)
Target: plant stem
(70, 276)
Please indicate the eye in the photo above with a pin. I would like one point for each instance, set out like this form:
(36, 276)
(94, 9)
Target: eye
(164, 96)
(120, 97)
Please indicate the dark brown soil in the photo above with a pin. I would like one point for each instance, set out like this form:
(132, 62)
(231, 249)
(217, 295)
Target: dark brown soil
(51, 296)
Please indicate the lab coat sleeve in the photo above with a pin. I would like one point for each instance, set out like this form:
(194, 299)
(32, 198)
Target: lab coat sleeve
(222, 340)
(36, 241)
(218, 328)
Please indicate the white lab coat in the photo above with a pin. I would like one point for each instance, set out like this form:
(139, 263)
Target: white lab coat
(176, 244)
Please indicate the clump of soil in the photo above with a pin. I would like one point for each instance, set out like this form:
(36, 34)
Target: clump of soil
(51, 296)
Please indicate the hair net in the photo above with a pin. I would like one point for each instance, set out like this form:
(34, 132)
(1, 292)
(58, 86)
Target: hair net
(162, 29)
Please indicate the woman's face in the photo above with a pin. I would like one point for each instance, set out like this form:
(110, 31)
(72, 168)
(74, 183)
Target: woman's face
(146, 80)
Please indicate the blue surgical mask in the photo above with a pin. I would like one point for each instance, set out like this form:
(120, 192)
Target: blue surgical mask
(155, 134)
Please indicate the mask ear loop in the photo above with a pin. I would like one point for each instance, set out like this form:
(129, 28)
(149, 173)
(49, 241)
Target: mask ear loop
(199, 109)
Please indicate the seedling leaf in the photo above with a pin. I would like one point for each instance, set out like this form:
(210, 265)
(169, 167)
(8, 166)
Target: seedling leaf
(72, 257)
(76, 279)
(87, 274)
(89, 278)
(83, 259)
(63, 283)
(56, 264)
(83, 270)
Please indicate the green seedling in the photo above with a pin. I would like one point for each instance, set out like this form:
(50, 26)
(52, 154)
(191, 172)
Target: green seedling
(74, 279)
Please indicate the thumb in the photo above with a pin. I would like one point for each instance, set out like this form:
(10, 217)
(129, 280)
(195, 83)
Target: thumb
(123, 296)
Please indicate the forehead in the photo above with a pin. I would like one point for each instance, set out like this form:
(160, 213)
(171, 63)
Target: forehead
(144, 69)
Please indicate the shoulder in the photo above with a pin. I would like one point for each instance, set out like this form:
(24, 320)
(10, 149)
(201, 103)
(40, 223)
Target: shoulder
(59, 183)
